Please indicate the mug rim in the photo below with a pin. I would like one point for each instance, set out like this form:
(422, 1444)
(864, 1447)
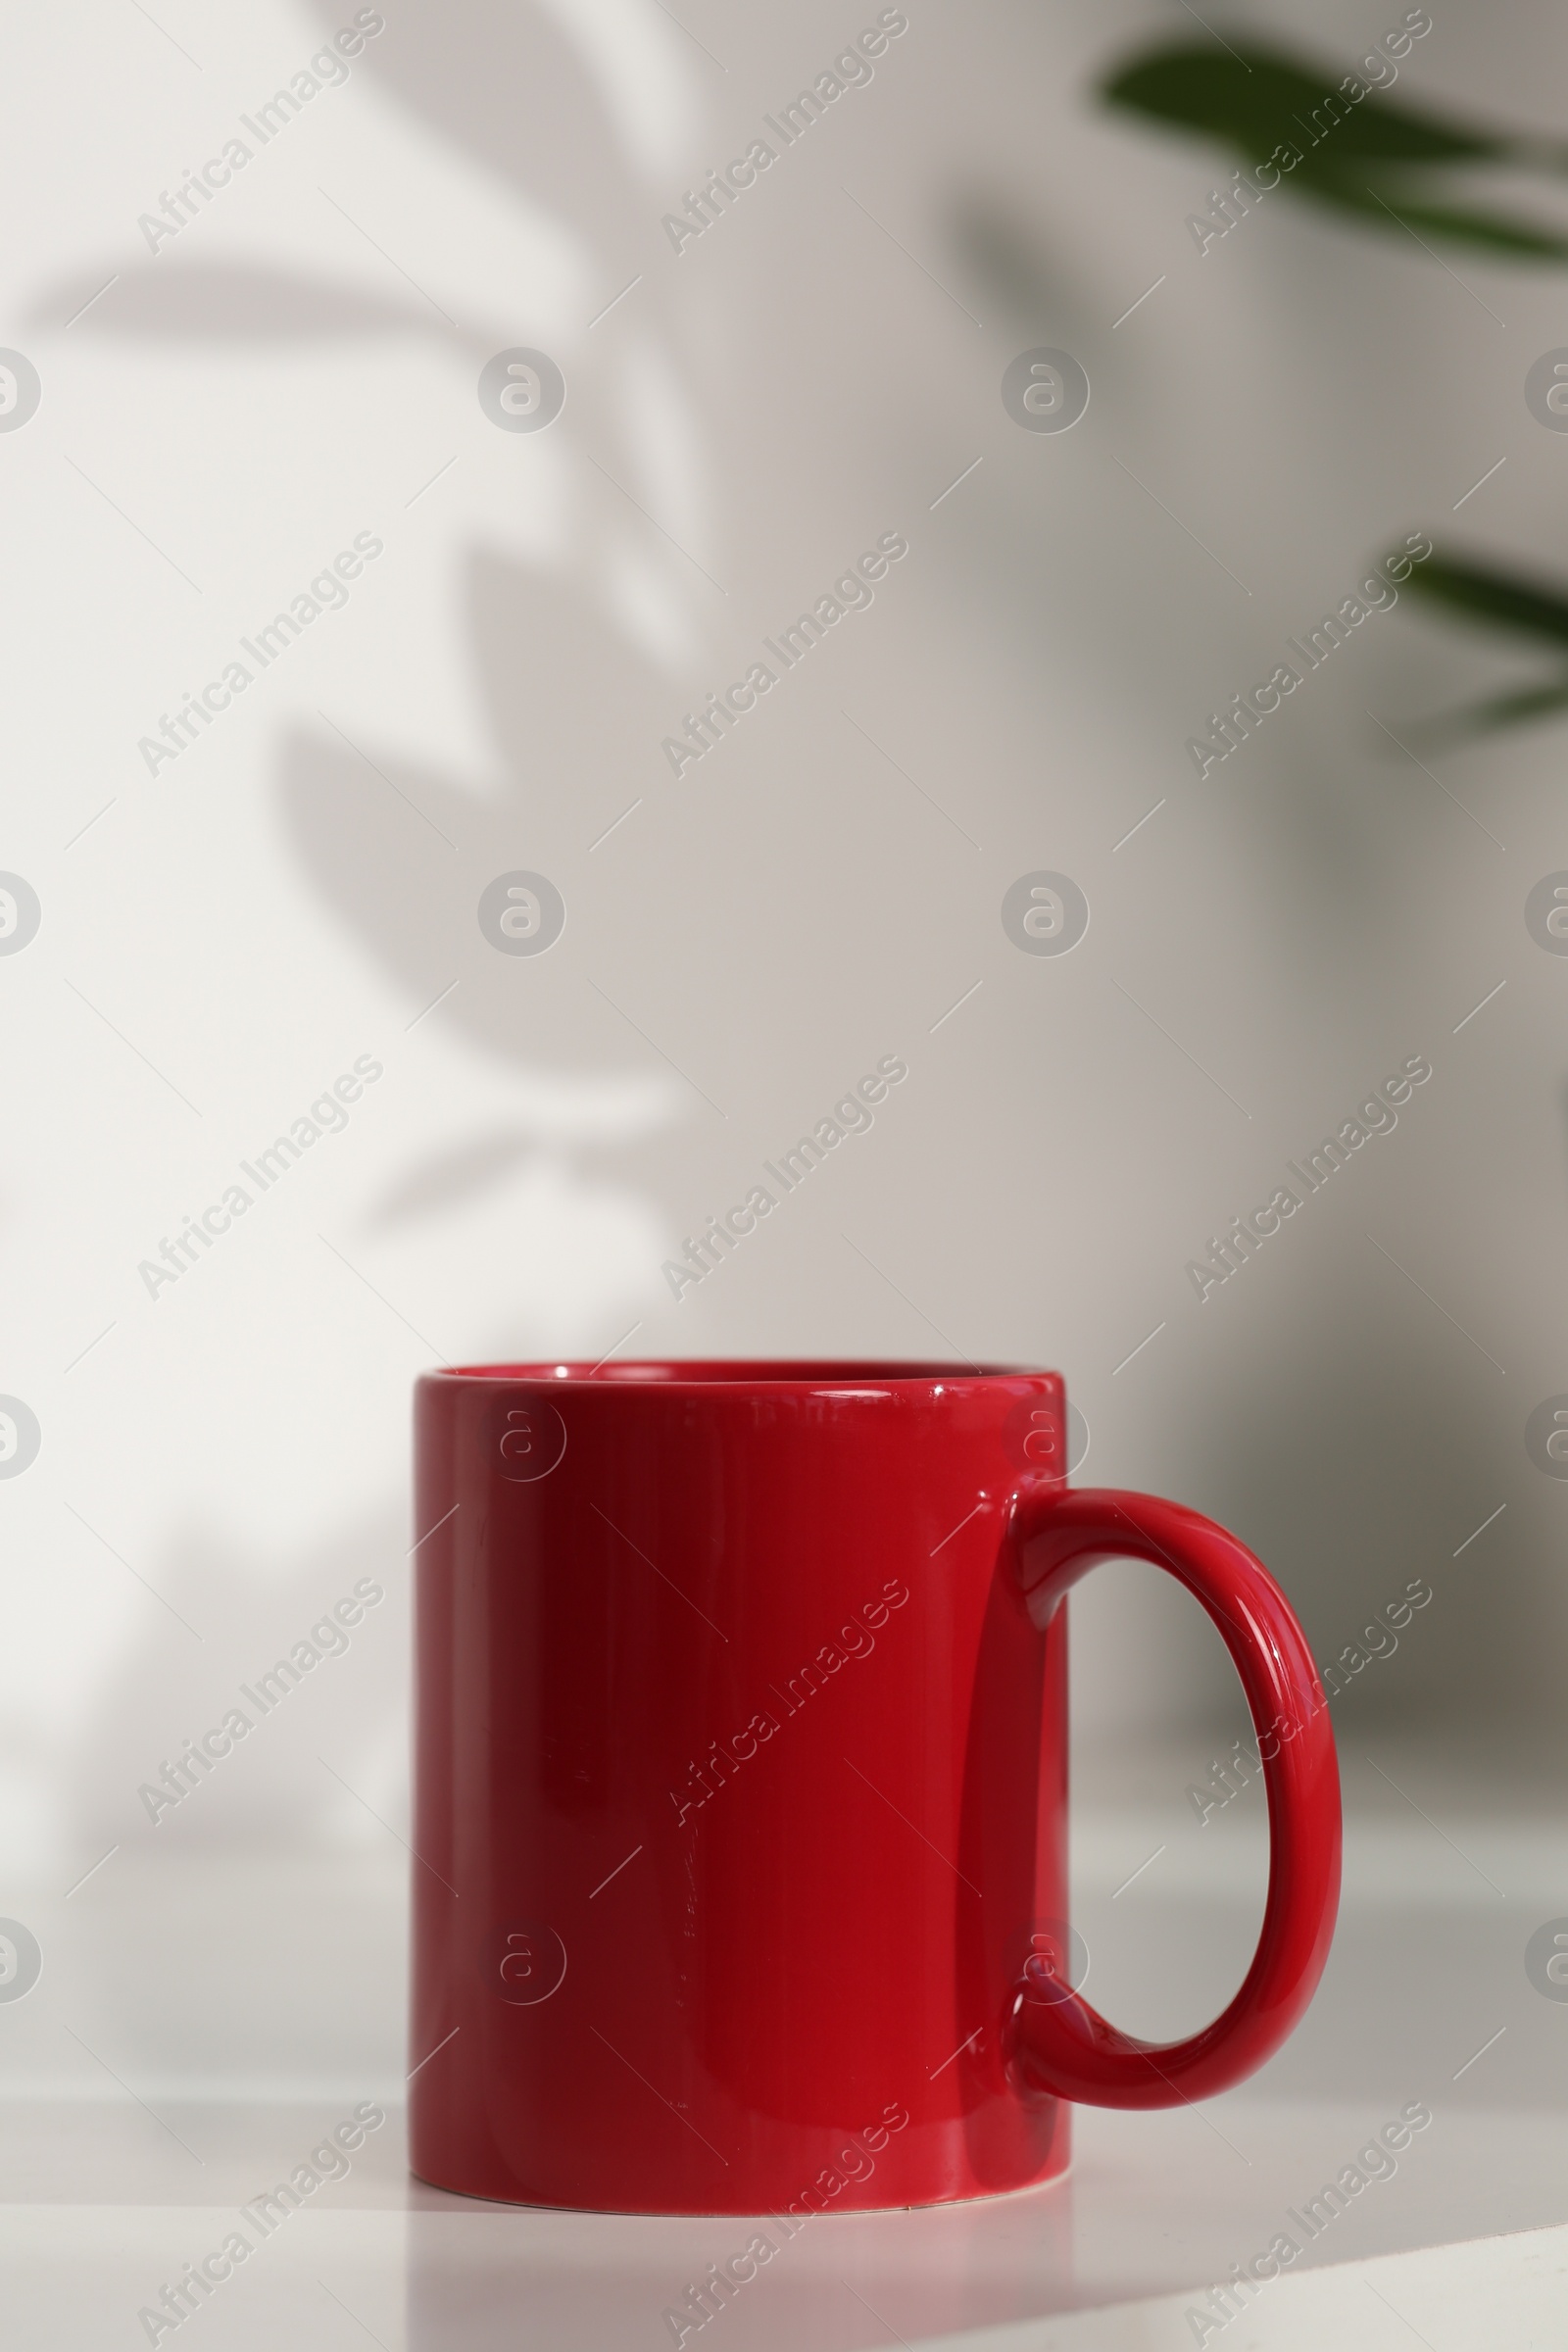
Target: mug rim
(704, 1375)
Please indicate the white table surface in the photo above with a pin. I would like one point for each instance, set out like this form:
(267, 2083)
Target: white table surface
(105, 2208)
(117, 2167)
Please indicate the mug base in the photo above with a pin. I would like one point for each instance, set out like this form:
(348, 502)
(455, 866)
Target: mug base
(1050, 2179)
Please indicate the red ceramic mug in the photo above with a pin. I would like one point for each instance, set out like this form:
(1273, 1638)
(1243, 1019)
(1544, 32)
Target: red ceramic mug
(741, 1808)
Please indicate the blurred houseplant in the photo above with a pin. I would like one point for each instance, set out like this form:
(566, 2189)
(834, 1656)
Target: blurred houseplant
(1336, 139)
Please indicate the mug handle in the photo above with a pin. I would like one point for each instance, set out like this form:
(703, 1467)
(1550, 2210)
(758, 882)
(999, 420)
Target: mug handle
(1062, 2044)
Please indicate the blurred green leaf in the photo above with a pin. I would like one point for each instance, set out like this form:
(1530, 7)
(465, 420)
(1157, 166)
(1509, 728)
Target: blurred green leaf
(1489, 716)
(1349, 151)
(1505, 598)
(1264, 97)
(1500, 599)
(1511, 709)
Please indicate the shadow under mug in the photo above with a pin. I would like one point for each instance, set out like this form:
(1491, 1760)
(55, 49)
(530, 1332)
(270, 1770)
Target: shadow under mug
(740, 1787)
